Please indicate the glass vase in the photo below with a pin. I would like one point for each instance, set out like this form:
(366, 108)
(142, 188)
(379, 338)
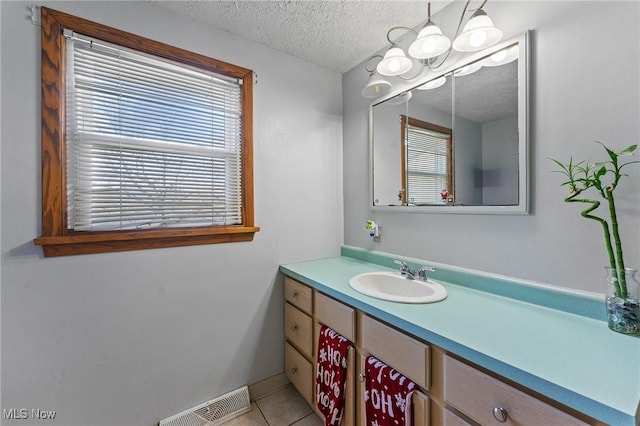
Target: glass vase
(623, 305)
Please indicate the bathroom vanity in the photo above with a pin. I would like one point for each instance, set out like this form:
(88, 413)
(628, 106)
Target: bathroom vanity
(496, 351)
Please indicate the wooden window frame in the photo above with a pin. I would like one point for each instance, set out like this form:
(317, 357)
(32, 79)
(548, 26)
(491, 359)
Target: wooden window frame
(404, 120)
(56, 238)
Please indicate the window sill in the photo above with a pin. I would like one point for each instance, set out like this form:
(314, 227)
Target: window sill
(105, 242)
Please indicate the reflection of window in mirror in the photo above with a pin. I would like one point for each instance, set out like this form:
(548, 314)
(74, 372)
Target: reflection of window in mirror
(426, 151)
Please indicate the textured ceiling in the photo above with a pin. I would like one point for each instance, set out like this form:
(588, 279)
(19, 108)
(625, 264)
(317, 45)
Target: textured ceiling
(336, 34)
(487, 95)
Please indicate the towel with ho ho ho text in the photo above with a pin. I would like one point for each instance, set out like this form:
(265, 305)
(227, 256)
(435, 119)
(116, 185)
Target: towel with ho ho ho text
(387, 395)
(331, 375)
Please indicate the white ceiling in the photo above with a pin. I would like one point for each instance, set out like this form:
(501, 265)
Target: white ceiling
(336, 34)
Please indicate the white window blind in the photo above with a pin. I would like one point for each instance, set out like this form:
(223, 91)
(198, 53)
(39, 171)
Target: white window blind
(150, 142)
(426, 164)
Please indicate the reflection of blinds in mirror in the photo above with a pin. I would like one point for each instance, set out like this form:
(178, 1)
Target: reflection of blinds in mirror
(427, 168)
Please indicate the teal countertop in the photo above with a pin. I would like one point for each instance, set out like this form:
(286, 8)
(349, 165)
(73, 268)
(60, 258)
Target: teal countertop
(553, 341)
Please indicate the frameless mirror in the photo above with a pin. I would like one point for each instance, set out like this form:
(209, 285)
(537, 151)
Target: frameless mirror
(457, 142)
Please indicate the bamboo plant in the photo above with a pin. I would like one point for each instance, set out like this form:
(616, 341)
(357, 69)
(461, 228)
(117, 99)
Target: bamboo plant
(603, 177)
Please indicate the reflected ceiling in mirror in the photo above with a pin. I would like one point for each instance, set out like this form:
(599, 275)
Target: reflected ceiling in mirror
(455, 142)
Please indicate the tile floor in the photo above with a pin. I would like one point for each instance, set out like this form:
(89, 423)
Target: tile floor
(284, 407)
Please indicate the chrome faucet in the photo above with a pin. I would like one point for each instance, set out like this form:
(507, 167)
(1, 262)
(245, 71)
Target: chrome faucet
(422, 273)
(404, 269)
(411, 275)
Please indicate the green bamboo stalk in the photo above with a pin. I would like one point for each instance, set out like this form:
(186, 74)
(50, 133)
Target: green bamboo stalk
(621, 271)
(605, 228)
(582, 176)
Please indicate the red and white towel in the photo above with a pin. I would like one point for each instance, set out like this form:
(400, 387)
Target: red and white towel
(387, 395)
(331, 375)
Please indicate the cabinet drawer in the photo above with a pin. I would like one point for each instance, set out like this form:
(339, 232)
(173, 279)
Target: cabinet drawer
(298, 329)
(451, 419)
(477, 395)
(299, 371)
(339, 317)
(401, 352)
(297, 294)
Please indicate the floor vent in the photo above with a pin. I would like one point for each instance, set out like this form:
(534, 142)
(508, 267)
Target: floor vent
(214, 412)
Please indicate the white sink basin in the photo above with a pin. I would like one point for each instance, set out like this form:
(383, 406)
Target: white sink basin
(394, 287)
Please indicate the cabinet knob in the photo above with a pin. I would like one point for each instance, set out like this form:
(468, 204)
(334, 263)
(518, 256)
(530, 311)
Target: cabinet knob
(361, 377)
(295, 294)
(294, 370)
(294, 327)
(500, 414)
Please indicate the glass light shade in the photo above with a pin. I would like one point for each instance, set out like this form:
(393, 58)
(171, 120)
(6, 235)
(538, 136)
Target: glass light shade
(395, 62)
(429, 43)
(467, 69)
(376, 86)
(478, 34)
(433, 84)
(501, 57)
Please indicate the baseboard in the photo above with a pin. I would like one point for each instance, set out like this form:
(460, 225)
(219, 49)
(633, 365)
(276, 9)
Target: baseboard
(267, 386)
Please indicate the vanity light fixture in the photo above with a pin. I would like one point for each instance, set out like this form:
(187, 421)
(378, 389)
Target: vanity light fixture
(430, 41)
(376, 84)
(429, 45)
(395, 62)
(478, 34)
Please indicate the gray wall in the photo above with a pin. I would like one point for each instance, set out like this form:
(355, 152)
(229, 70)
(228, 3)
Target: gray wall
(584, 87)
(130, 338)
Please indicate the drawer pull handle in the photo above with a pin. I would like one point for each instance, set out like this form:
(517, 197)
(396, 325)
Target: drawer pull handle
(500, 414)
(295, 294)
(294, 327)
(294, 370)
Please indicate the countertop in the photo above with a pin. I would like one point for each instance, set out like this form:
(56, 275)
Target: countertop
(570, 357)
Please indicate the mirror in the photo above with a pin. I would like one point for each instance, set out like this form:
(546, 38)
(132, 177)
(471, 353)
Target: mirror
(455, 142)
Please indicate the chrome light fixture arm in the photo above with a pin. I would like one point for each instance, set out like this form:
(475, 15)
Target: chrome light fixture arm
(366, 64)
